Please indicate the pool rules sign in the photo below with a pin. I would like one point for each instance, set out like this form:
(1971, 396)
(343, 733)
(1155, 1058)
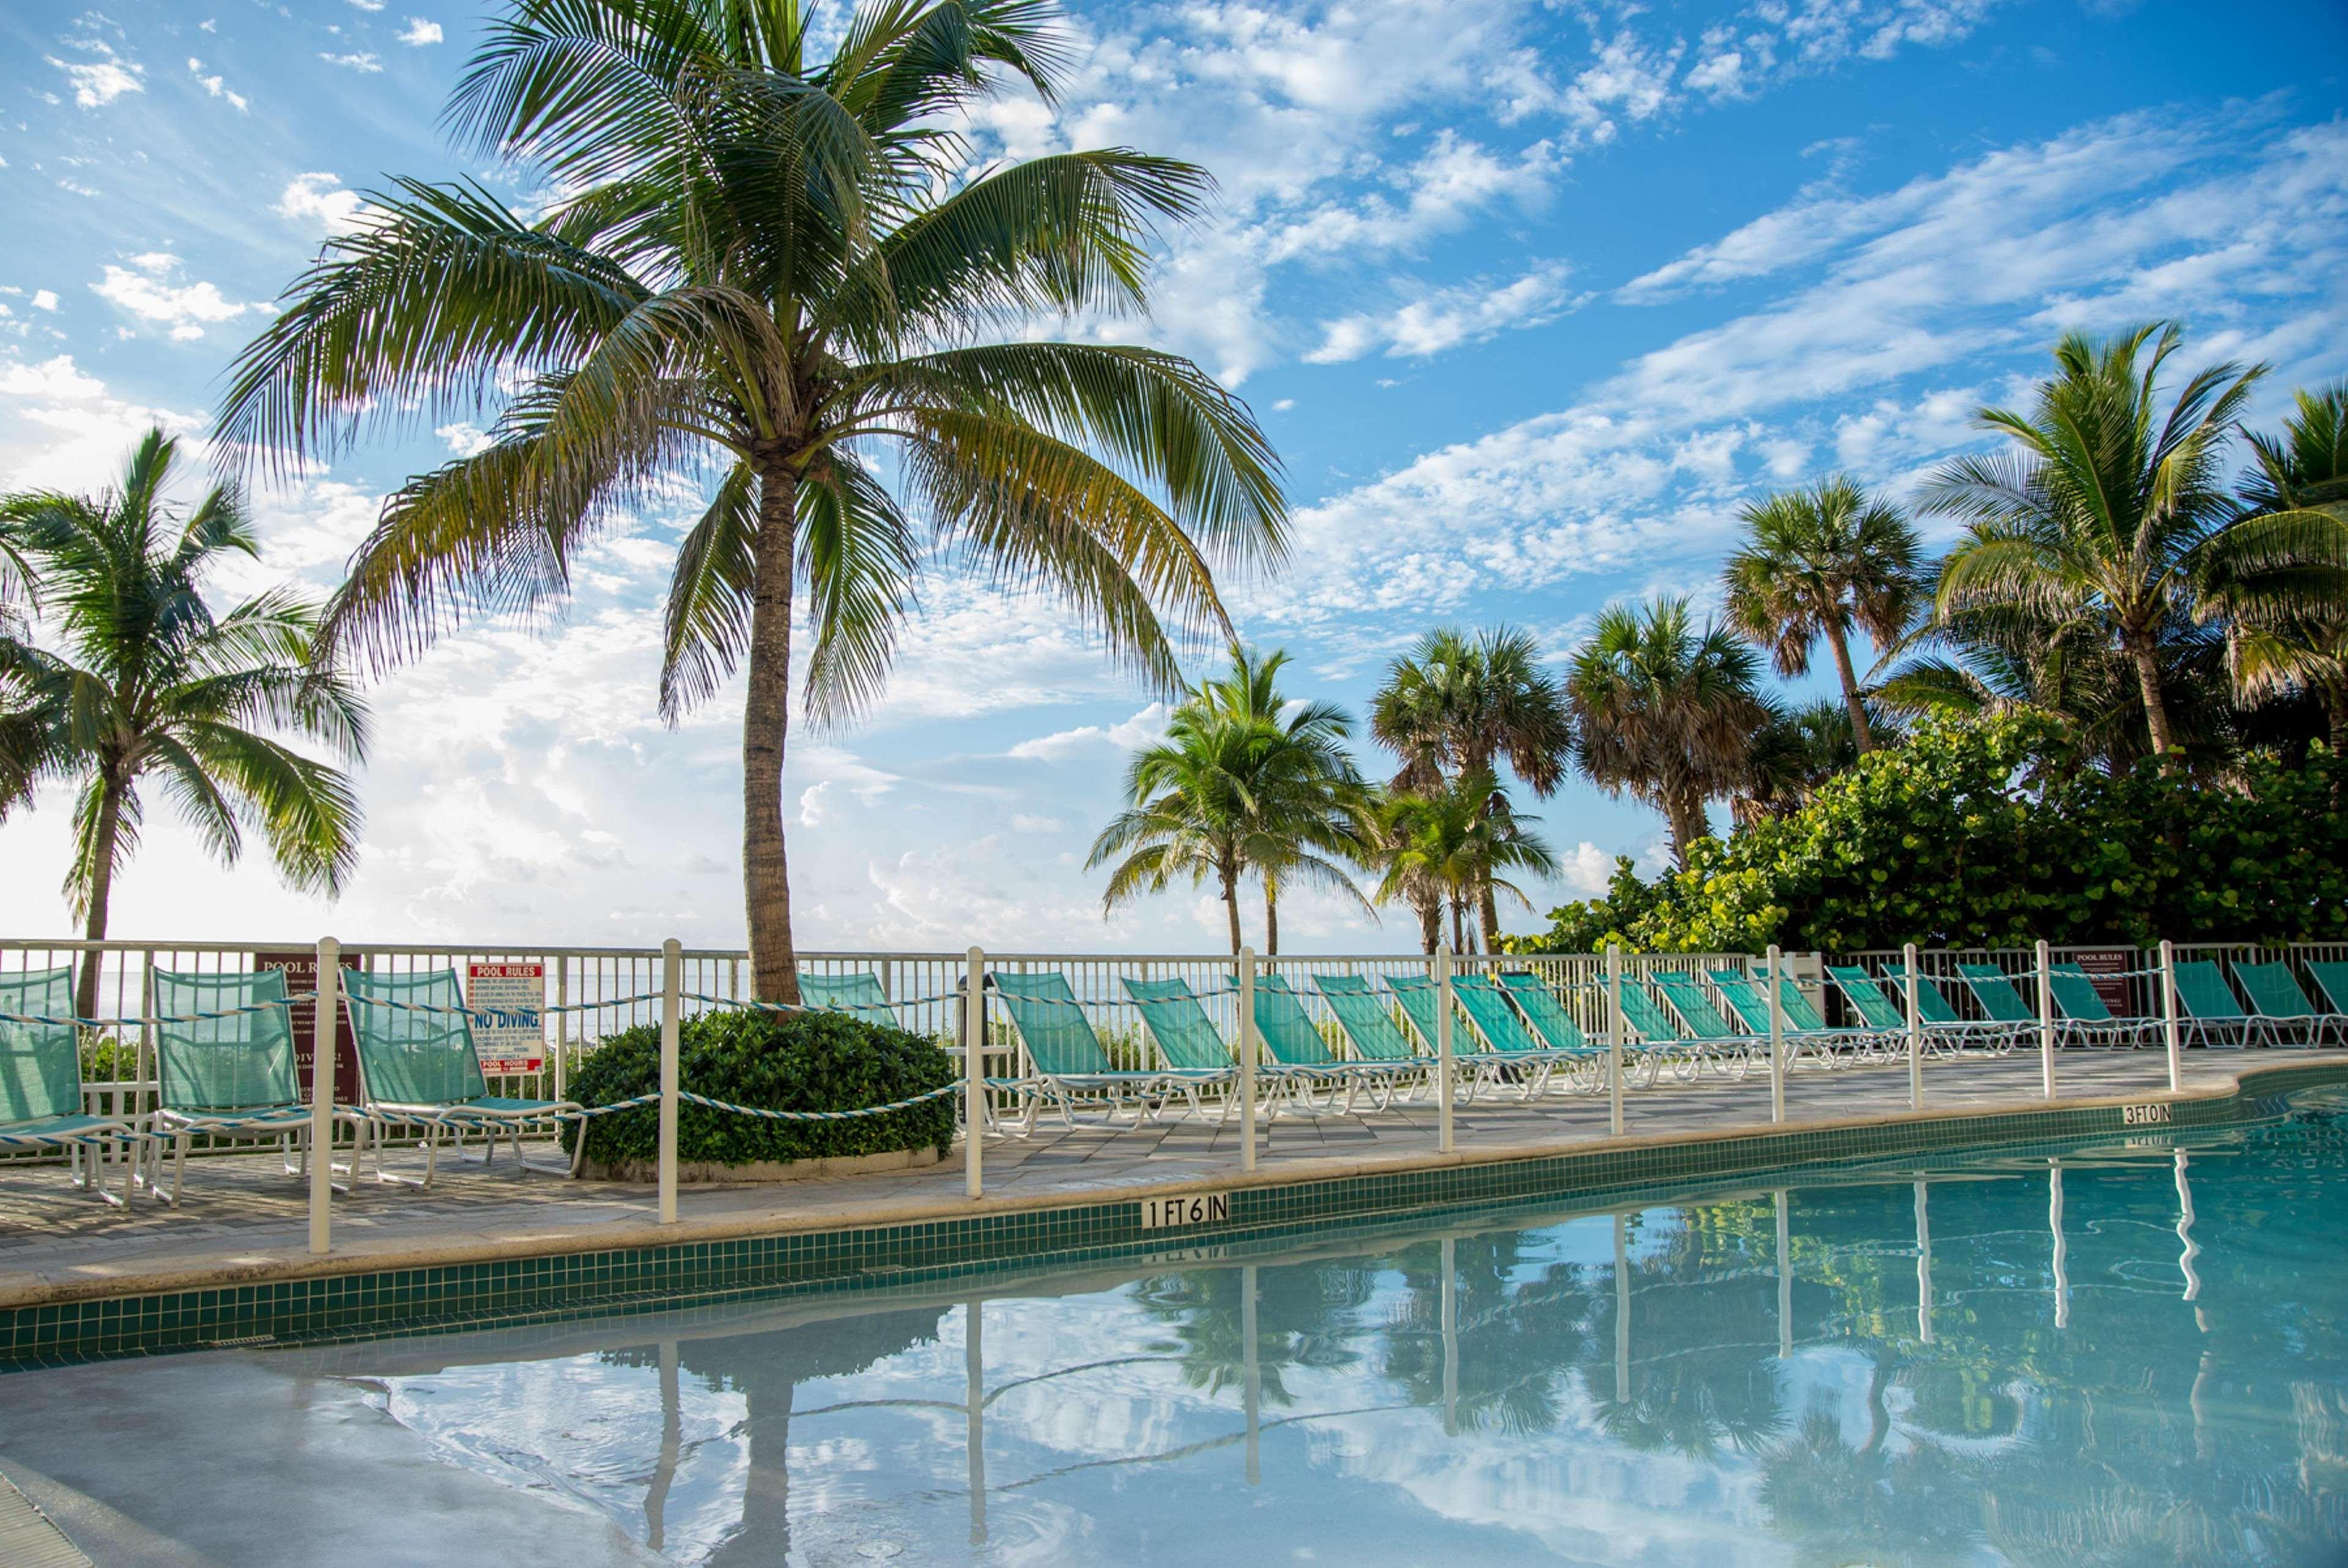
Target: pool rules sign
(508, 1047)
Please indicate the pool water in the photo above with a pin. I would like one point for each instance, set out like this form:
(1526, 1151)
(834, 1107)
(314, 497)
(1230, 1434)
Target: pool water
(2134, 1354)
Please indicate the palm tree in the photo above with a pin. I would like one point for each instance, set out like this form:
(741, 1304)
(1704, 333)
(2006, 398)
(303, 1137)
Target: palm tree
(1306, 808)
(2289, 627)
(1186, 816)
(1818, 563)
(2105, 508)
(1795, 752)
(789, 269)
(1452, 705)
(152, 684)
(1666, 711)
(1448, 846)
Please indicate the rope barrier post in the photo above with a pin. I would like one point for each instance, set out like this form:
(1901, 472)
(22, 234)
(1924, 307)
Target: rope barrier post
(974, 1074)
(672, 975)
(1445, 1049)
(1776, 1044)
(322, 1096)
(1614, 1038)
(2168, 1016)
(1915, 1030)
(2045, 1019)
(1247, 1058)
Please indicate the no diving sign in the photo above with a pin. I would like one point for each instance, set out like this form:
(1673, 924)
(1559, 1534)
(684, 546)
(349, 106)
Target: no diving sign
(508, 1047)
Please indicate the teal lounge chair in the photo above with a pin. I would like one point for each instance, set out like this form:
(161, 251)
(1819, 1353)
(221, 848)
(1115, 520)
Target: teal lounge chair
(1066, 1065)
(1867, 998)
(1369, 1026)
(1509, 1049)
(1301, 1058)
(1556, 1030)
(1799, 1023)
(2086, 1017)
(1951, 1029)
(2205, 999)
(2274, 992)
(857, 994)
(1725, 1045)
(2330, 977)
(40, 1086)
(1652, 1041)
(1993, 988)
(231, 1075)
(1192, 1048)
(418, 1067)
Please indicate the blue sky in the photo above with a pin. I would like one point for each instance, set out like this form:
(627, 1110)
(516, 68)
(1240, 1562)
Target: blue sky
(1530, 297)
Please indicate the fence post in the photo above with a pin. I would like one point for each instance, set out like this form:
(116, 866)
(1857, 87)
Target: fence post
(1776, 1041)
(1443, 1048)
(1915, 1031)
(321, 1098)
(1247, 1058)
(672, 975)
(974, 1074)
(2168, 1016)
(1614, 1038)
(2045, 1019)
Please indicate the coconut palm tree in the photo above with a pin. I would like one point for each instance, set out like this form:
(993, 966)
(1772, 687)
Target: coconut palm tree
(1666, 711)
(2290, 621)
(785, 269)
(150, 684)
(1820, 563)
(1307, 808)
(1447, 847)
(1455, 705)
(1187, 814)
(2104, 508)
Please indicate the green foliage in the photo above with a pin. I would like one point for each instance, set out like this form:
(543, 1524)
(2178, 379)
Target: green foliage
(1990, 833)
(774, 1061)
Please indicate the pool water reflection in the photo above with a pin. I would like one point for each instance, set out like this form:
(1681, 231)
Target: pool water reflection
(2132, 1355)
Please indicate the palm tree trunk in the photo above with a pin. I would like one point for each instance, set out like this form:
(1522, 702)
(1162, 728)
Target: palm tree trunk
(101, 889)
(766, 728)
(1231, 907)
(1488, 911)
(2335, 704)
(1270, 920)
(1459, 929)
(1687, 824)
(1430, 924)
(1837, 641)
(2156, 707)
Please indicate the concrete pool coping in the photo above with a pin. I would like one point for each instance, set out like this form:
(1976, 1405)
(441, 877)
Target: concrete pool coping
(1277, 1192)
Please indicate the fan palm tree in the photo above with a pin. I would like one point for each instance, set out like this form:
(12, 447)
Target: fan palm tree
(1455, 705)
(1307, 808)
(1446, 848)
(150, 683)
(1666, 711)
(2290, 622)
(783, 270)
(1797, 751)
(1820, 563)
(2104, 508)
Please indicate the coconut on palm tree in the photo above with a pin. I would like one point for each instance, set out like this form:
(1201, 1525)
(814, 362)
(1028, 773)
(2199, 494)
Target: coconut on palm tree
(784, 270)
(1666, 711)
(1455, 705)
(1817, 563)
(2106, 507)
(147, 685)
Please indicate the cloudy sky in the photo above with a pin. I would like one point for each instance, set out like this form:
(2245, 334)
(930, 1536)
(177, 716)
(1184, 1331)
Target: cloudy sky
(1530, 296)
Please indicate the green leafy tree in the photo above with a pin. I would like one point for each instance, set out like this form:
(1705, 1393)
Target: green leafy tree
(783, 267)
(1822, 563)
(147, 684)
(2104, 508)
(1666, 711)
(1455, 705)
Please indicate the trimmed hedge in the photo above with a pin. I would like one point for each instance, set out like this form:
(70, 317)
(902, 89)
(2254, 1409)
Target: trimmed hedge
(775, 1061)
(1993, 833)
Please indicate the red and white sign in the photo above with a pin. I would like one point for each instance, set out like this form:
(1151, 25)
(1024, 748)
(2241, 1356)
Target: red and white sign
(504, 1048)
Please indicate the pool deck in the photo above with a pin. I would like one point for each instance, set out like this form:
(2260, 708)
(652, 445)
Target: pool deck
(242, 1220)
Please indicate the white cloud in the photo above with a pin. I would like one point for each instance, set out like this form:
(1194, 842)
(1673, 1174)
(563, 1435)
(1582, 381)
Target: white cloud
(1146, 727)
(216, 86)
(420, 32)
(464, 439)
(369, 4)
(45, 299)
(1027, 823)
(364, 62)
(146, 291)
(96, 83)
(1448, 317)
(320, 199)
(1456, 181)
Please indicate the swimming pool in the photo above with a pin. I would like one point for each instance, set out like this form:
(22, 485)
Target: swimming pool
(2134, 1352)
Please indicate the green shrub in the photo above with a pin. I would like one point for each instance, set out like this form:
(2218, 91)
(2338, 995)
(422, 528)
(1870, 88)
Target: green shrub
(1992, 833)
(775, 1061)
